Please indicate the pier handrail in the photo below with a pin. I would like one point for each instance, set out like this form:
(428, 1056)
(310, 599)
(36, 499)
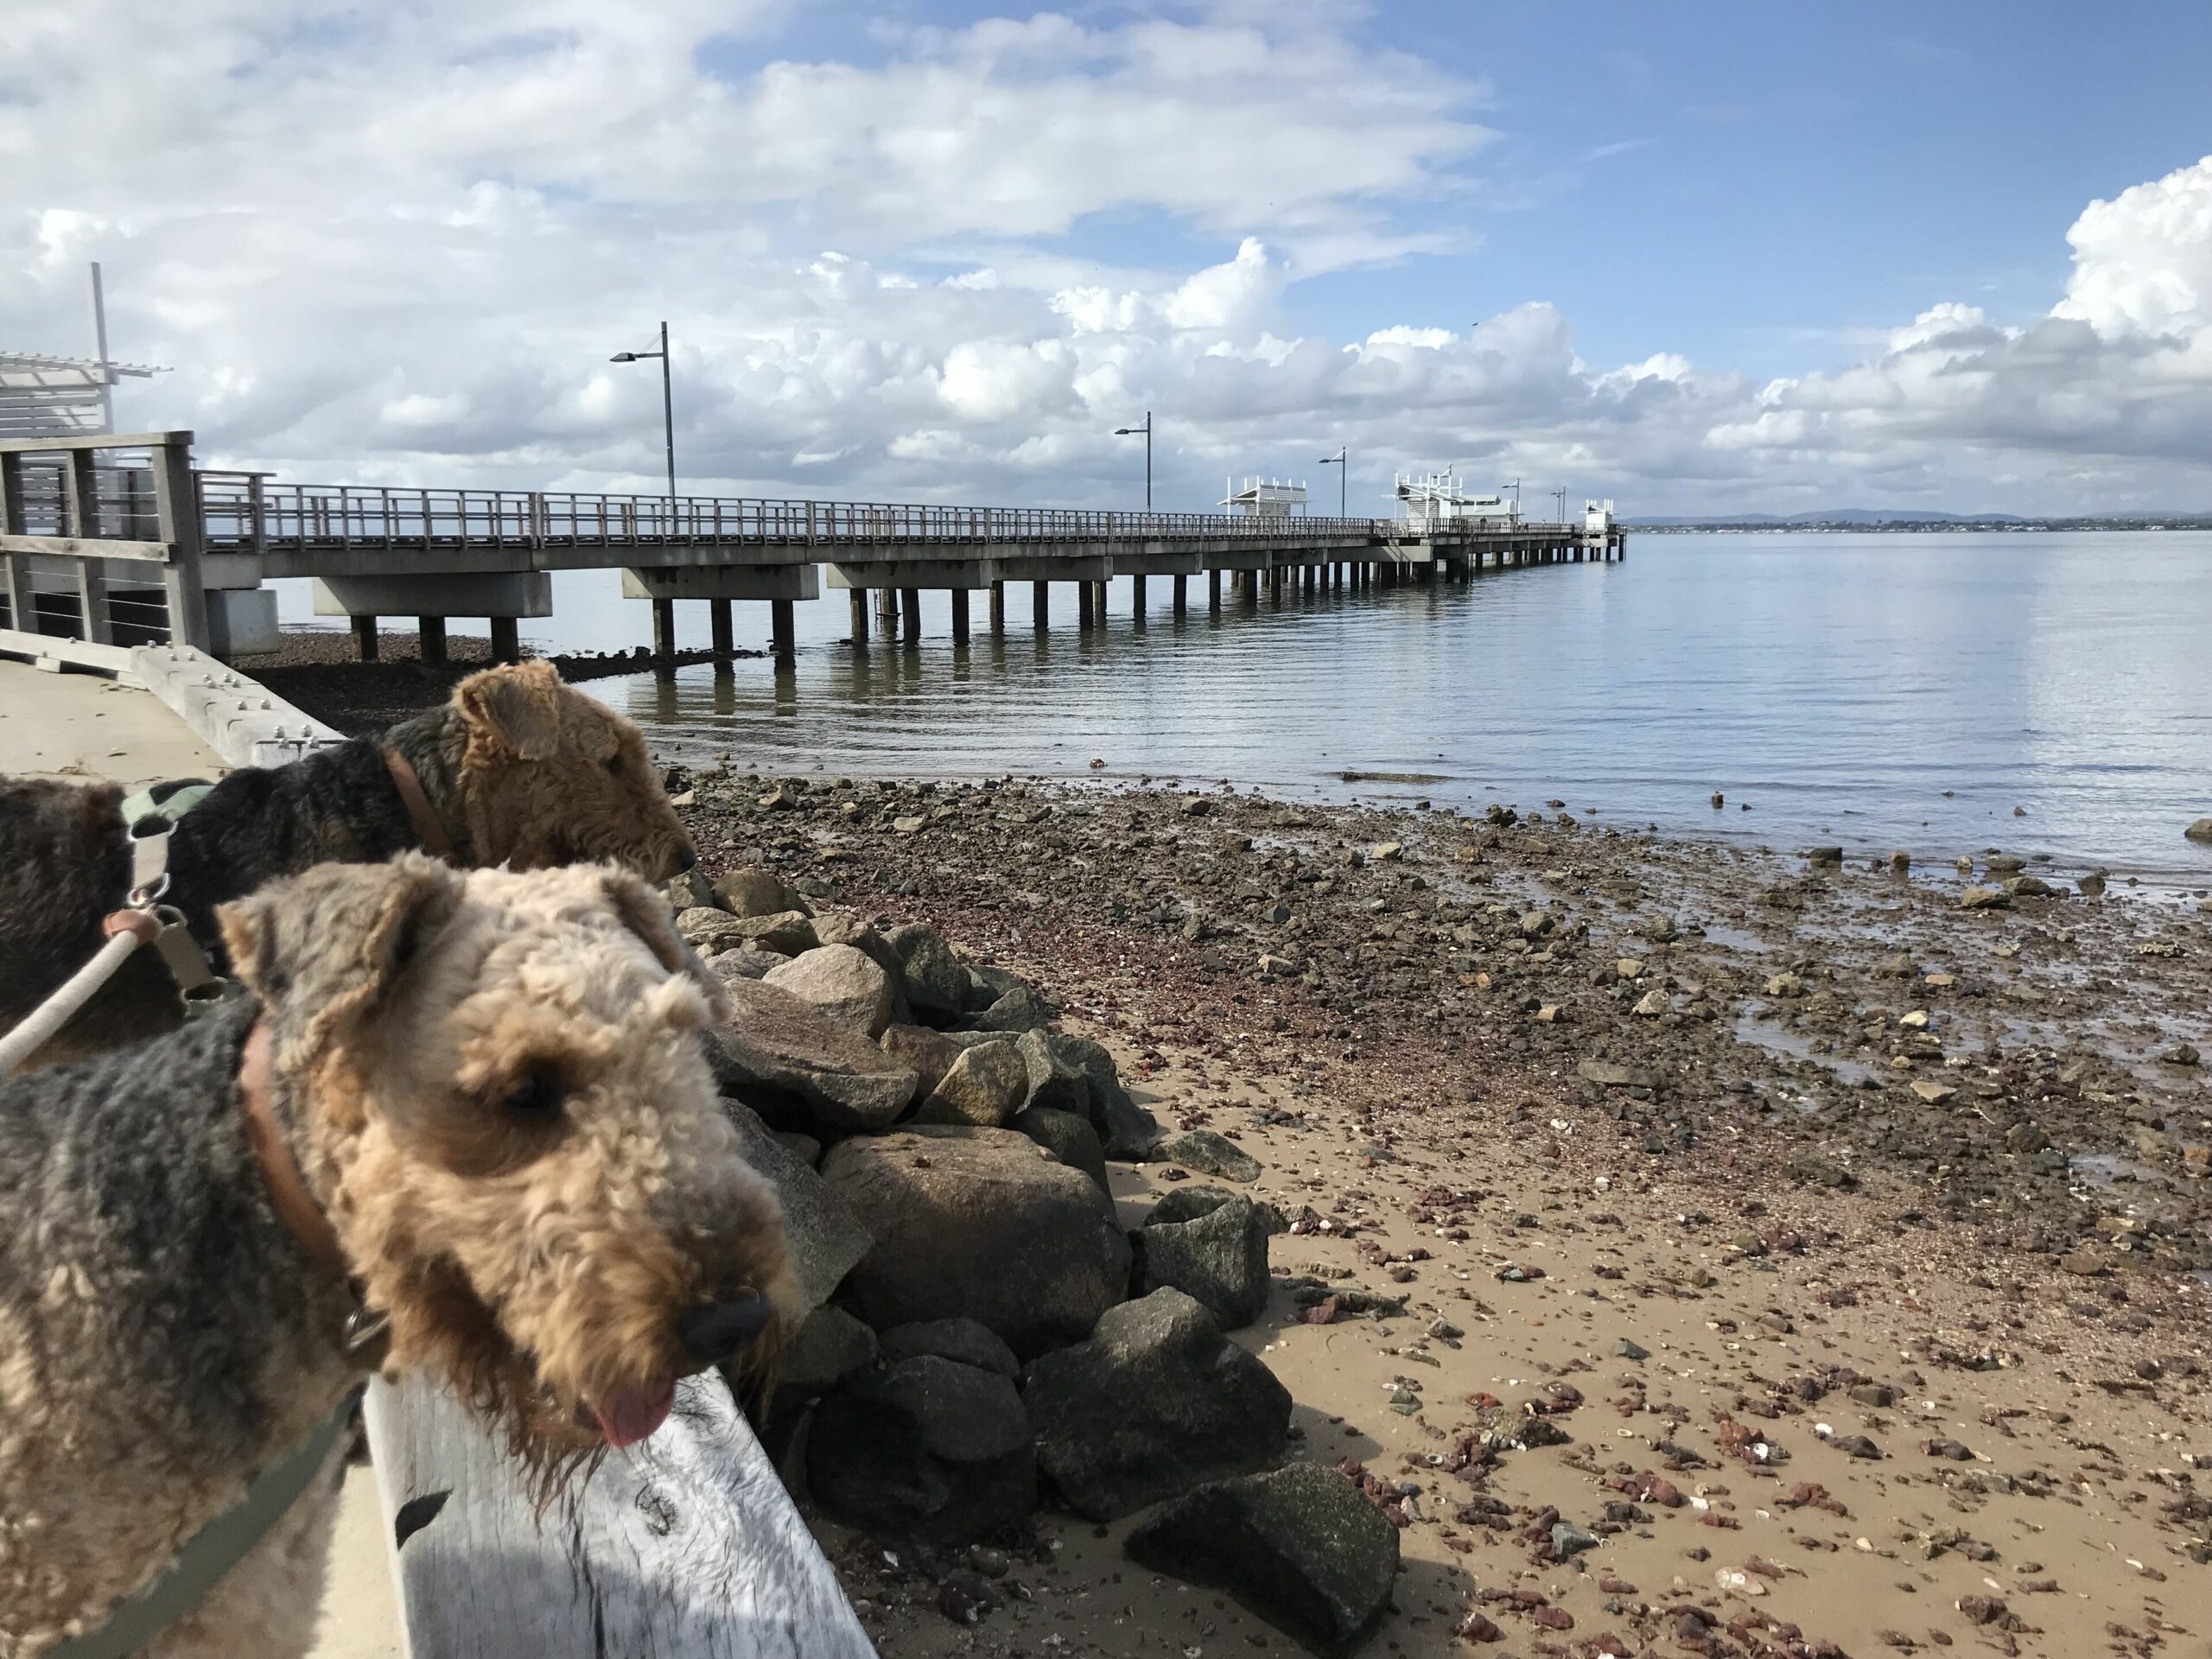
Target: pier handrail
(242, 510)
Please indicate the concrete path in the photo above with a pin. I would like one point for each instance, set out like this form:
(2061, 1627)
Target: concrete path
(87, 727)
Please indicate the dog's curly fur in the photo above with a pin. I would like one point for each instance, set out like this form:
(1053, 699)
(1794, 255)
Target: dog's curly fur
(492, 1083)
(523, 770)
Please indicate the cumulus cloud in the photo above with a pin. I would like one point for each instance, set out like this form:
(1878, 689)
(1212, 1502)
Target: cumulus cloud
(399, 243)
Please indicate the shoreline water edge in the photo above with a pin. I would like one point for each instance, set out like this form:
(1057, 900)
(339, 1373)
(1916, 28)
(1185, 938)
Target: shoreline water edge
(1851, 1223)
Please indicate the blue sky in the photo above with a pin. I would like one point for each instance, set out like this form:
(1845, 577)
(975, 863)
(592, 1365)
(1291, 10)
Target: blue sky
(1721, 256)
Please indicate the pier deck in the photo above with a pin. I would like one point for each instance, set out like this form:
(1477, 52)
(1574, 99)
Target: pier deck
(108, 536)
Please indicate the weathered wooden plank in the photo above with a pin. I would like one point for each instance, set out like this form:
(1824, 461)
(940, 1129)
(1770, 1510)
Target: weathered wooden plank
(687, 1545)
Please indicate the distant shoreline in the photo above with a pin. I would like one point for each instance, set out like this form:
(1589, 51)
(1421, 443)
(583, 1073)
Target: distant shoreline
(1916, 526)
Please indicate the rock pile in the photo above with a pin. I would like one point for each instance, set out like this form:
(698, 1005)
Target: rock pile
(981, 1336)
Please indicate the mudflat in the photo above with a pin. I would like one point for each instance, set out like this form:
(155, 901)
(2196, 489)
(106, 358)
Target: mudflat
(1694, 1249)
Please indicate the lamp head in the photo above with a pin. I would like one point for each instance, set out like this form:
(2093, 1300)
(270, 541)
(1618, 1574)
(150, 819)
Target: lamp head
(623, 357)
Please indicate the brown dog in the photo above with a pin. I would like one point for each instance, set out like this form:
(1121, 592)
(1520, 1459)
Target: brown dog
(485, 1095)
(517, 769)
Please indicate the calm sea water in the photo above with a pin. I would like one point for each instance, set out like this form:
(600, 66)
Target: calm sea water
(1880, 690)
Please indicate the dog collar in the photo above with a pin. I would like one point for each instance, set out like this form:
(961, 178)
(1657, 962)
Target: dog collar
(295, 1206)
(429, 827)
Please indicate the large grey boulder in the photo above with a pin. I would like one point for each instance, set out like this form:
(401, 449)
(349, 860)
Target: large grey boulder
(930, 1052)
(2201, 830)
(1156, 1401)
(1018, 1010)
(830, 1346)
(844, 986)
(1301, 1548)
(938, 984)
(746, 963)
(1217, 1254)
(707, 929)
(1054, 1082)
(787, 932)
(827, 1239)
(843, 927)
(979, 1223)
(1208, 1152)
(925, 1448)
(757, 893)
(775, 1045)
(1069, 1138)
(964, 1341)
(983, 1085)
(1125, 1129)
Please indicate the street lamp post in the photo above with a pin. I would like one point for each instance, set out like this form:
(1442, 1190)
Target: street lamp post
(1343, 469)
(1131, 431)
(667, 400)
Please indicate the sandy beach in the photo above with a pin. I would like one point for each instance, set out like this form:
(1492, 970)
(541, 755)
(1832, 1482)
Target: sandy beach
(1847, 1246)
(1865, 1309)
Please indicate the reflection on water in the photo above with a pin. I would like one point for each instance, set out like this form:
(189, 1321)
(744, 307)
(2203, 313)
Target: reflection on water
(1882, 691)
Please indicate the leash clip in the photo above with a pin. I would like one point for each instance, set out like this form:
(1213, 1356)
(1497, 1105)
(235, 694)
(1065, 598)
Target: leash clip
(366, 1329)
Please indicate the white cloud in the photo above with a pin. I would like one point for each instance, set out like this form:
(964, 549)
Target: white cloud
(399, 243)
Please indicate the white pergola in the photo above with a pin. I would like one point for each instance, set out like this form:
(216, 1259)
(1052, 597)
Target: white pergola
(42, 395)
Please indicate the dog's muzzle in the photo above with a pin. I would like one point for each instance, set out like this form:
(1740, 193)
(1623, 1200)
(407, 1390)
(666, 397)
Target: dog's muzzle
(717, 1333)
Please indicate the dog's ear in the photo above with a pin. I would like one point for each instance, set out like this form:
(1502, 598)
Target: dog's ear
(332, 941)
(518, 708)
(646, 914)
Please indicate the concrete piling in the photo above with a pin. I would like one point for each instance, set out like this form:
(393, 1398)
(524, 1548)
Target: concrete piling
(1182, 587)
(724, 626)
(365, 637)
(960, 616)
(430, 630)
(910, 602)
(664, 628)
(1083, 606)
(506, 639)
(860, 616)
(1040, 605)
(998, 608)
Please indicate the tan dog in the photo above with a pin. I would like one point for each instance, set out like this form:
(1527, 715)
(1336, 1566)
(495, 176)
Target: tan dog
(517, 769)
(491, 1089)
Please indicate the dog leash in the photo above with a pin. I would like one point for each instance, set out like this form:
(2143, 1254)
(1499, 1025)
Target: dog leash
(144, 920)
(214, 1549)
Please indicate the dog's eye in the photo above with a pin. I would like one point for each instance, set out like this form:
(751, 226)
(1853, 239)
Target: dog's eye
(615, 765)
(536, 1095)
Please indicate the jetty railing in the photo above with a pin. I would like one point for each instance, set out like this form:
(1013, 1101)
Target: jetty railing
(245, 512)
(99, 546)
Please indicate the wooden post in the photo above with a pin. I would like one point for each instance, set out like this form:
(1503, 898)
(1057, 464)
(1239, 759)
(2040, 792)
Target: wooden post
(176, 508)
(860, 616)
(506, 639)
(1040, 605)
(365, 637)
(1182, 584)
(960, 616)
(664, 628)
(910, 602)
(783, 632)
(431, 631)
(998, 609)
(724, 626)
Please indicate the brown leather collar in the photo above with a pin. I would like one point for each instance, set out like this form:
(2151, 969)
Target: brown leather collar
(295, 1206)
(429, 827)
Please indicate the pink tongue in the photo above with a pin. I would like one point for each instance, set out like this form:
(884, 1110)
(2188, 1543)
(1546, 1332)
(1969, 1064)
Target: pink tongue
(628, 1417)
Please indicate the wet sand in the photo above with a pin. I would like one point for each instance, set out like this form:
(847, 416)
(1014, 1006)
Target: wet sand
(1995, 1278)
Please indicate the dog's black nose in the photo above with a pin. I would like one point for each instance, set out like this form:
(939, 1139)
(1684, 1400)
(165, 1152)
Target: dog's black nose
(685, 858)
(716, 1331)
